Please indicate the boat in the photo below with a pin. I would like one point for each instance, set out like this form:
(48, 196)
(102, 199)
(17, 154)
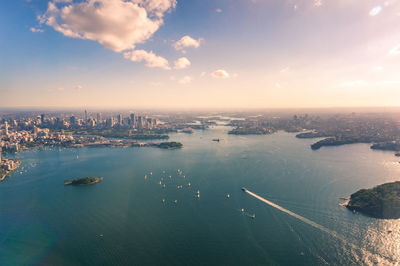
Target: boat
(228, 196)
(217, 140)
(244, 189)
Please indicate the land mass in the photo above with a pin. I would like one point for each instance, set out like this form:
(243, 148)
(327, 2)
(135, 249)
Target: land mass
(83, 181)
(7, 166)
(382, 201)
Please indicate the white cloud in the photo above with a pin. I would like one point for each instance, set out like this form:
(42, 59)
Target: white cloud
(375, 11)
(317, 3)
(218, 10)
(395, 50)
(116, 24)
(62, 1)
(278, 85)
(151, 59)
(36, 30)
(182, 63)
(78, 87)
(187, 41)
(220, 74)
(60, 89)
(185, 80)
(378, 68)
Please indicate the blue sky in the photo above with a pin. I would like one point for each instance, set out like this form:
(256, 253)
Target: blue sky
(236, 53)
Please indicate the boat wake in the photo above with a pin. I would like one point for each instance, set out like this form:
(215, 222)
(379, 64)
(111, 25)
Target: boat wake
(375, 258)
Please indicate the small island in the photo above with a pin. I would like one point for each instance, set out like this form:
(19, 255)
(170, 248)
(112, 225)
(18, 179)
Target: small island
(83, 181)
(170, 145)
(382, 201)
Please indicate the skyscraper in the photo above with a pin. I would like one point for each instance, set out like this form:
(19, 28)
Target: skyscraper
(120, 120)
(132, 121)
(99, 118)
(6, 128)
(72, 120)
(86, 116)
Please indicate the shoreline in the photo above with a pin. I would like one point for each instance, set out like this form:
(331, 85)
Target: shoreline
(7, 172)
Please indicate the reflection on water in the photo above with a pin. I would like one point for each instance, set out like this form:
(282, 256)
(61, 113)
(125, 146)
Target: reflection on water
(145, 211)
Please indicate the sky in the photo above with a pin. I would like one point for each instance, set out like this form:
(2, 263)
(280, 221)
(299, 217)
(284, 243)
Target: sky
(199, 53)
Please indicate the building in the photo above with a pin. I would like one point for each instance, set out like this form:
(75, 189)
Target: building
(140, 122)
(86, 116)
(72, 120)
(120, 120)
(132, 121)
(6, 128)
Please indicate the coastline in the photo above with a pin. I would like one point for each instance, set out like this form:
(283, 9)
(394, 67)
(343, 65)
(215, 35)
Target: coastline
(7, 172)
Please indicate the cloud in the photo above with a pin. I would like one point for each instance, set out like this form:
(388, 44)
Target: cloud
(78, 87)
(185, 80)
(36, 30)
(317, 3)
(375, 11)
(151, 59)
(182, 63)
(395, 50)
(187, 41)
(117, 25)
(203, 74)
(218, 10)
(222, 74)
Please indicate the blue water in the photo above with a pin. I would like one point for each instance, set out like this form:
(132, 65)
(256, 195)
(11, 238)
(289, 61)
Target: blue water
(123, 221)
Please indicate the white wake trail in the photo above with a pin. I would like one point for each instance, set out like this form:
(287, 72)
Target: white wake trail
(375, 257)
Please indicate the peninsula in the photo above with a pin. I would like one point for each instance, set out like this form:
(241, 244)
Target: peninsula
(83, 181)
(7, 166)
(382, 201)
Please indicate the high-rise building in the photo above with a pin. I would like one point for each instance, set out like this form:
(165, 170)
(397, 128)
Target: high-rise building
(140, 123)
(132, 121)
(6, 128)
(120, 120)
(86, 116)
(99, 118)
(72, 120)
(110, 122)
(149, 123)
(42, 118)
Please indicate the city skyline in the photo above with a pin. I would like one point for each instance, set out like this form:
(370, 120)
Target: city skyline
(199, 54)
